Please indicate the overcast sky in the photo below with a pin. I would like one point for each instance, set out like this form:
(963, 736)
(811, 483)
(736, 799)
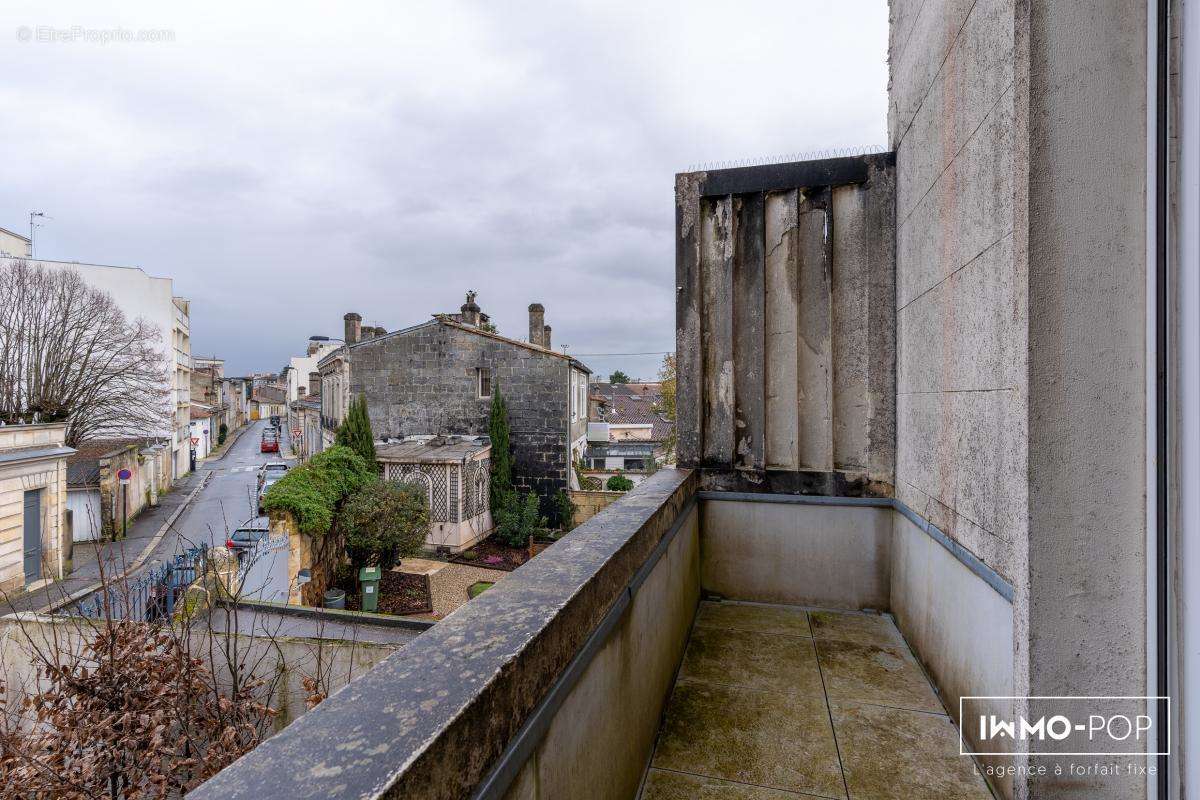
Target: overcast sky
(286, 167)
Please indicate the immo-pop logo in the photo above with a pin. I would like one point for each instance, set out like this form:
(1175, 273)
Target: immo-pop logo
(1064, 726)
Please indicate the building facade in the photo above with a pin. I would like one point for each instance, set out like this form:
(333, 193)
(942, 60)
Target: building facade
(627, 428)
(100, 503)
(151, 298)
(33, 493)
(15, 245)
(438, 378)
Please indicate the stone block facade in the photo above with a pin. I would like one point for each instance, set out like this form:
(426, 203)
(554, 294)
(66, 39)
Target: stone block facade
(427, 380)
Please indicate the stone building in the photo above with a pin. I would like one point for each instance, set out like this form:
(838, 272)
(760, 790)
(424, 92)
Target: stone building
(100, 505)
(437, 378)
(33, 488)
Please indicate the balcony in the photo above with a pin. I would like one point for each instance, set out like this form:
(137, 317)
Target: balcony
(771, 623)
(680, 642)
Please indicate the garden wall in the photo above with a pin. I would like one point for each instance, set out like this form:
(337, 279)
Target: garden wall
(590, 503)
(284, 659)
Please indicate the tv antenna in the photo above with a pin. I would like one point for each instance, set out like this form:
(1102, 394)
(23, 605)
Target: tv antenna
(33, 226)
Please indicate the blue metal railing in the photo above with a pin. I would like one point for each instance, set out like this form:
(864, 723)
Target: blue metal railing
(151, 597)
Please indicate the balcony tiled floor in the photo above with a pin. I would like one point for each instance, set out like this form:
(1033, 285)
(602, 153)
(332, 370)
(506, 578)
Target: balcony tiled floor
(775, 702)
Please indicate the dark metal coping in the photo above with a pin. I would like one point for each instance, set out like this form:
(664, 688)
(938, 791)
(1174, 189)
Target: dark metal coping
(964, 556)
(795, 174)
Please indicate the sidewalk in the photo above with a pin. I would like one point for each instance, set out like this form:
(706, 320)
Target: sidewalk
(142, 544)
(223, 450)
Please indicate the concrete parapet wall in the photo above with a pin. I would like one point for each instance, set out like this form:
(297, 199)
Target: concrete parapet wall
(960, 628)
(831, 556)
(474, 698)
(786, 550)
(284, 660)
(604, 732)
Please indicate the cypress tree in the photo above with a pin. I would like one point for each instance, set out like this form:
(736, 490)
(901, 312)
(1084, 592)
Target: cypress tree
(501, 489)
(355, 431)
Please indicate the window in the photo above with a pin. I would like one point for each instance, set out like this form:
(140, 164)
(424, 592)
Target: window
(484, 375)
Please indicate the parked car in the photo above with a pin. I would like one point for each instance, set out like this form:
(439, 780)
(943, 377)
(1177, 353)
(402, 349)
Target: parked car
(266, 484)
(270, 443)
(275, 421)
(277, 468)
(248, 534)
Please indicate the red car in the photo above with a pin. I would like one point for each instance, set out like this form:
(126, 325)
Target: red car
(270, 443)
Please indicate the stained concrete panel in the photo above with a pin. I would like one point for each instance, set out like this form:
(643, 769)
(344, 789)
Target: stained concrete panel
(964, 214)
(959, 627)
(604, 745)
(964, 334)
(781, 293)
(970, 83)
(850, 305)
(835, 557)
(965, 451)
(922, 34)
(716, 282)
(815, 348)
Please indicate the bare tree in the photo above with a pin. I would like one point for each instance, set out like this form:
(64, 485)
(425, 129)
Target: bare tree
(67, 352)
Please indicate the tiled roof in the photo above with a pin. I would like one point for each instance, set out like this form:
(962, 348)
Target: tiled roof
(83, 466)
(624, 409)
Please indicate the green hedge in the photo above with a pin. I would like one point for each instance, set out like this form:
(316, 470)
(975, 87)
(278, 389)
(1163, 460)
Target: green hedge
(312, 492)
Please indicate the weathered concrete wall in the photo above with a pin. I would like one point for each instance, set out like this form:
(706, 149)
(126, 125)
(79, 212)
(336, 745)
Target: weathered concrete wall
(960, 296)
(433, 721)
(424, 380)
(829, 556)
(1021, 267)
(785, 326)
(1087, 616)
(284, 660)
(602, 736)
(960, 628)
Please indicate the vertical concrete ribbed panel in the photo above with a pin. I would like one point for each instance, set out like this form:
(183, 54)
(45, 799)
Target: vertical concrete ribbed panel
(786, 326)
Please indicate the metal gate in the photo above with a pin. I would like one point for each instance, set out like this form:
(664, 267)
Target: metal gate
(152, 597)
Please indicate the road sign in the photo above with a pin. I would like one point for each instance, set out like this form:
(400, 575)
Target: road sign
(195, 441)
(124, 475)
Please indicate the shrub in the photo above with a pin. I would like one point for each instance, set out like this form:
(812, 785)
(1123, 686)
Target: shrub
(520, 520)
(222, 432)
(501, 494)
(312, 492)
(565, 510)
(355, 432)
(619, 483)
(384, 521)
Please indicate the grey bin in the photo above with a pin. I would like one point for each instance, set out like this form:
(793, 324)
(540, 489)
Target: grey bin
(335, 598)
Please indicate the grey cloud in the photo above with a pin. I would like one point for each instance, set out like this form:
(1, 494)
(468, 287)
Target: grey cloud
(285, 166)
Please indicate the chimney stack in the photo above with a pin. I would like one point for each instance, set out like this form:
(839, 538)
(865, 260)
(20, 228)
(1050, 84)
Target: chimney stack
(366, 332)
(469, 312)
(353, 327)
(546, 336)
(314, 384)
(537, 324)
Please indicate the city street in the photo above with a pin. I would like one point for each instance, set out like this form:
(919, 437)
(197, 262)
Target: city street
(228, 500)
